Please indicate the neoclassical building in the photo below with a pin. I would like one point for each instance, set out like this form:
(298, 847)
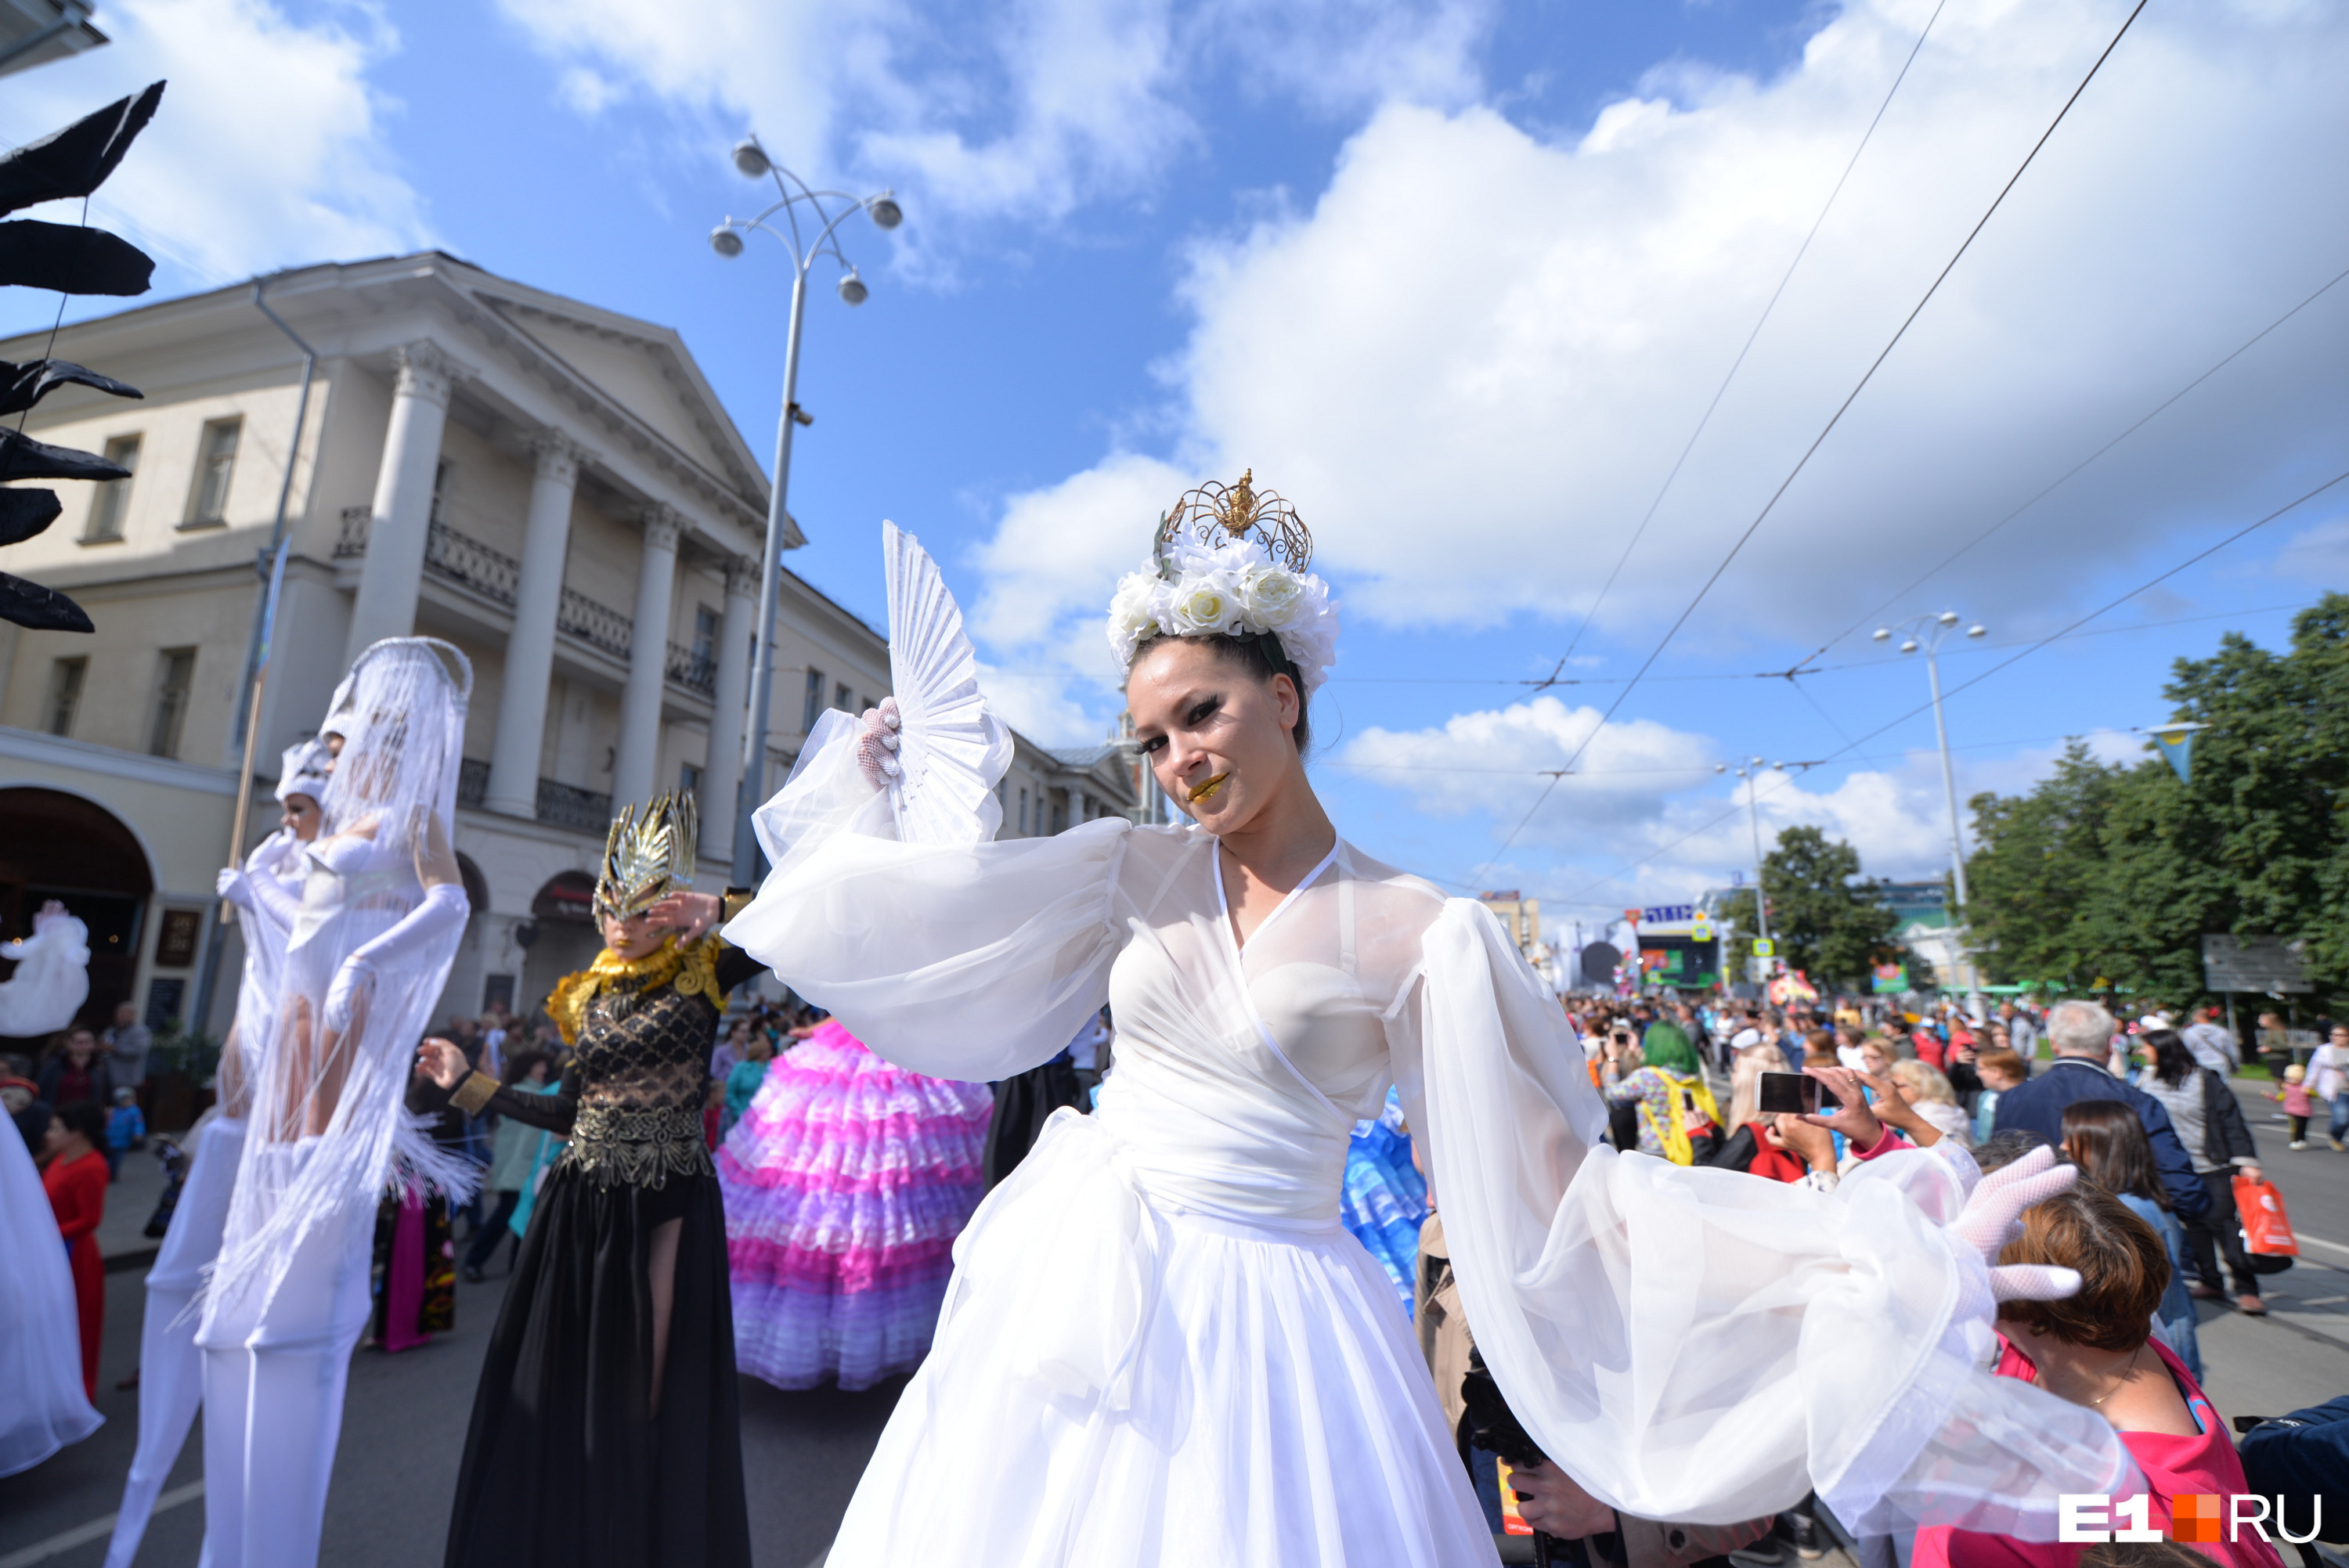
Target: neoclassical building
(552, 487)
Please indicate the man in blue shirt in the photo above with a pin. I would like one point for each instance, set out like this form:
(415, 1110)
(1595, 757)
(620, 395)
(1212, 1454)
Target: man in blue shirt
(2082, 1035)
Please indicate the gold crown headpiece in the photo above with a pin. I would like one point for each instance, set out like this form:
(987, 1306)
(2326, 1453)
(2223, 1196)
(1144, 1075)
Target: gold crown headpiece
(646, 860)
(1214, 513)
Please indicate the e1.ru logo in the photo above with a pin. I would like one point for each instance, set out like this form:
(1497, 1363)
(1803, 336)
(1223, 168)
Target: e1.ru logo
(2194, 1517)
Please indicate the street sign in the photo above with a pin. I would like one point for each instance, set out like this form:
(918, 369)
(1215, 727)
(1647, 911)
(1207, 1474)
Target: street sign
(1764, 948)
(2264, 963)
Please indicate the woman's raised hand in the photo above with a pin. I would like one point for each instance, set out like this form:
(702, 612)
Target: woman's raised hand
(440, 1061)
(877, 743)
(1852, 1118)
(690, 914)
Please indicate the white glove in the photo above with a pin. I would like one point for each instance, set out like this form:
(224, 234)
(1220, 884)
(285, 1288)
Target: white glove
(877, 743)
(1994, 1216)
(230, 884)
(353, 980)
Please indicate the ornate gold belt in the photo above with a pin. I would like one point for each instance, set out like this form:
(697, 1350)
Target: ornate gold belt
(615, 1145)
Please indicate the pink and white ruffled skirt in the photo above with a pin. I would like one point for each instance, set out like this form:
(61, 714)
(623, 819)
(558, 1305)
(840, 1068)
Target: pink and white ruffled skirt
(846, 1183)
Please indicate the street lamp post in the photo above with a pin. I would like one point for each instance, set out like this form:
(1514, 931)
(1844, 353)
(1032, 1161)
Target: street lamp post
(1751, 770)
(1928, 633)
(830, 208)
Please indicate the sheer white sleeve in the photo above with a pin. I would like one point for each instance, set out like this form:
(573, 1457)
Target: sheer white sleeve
(1697, 1345)
(971, 960)
(52, 978)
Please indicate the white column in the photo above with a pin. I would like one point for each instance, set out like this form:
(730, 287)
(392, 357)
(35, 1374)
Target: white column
(640, 704)
(393, 569)
(530, 650)
(721, 771)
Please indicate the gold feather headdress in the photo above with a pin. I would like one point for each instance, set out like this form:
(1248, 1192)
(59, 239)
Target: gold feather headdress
(646, 860)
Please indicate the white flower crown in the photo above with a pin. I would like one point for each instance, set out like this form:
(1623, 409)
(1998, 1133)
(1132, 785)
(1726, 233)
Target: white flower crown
(1234, 589)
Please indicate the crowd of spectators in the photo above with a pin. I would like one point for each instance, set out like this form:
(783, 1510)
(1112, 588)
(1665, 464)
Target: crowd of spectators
(2146, 1115)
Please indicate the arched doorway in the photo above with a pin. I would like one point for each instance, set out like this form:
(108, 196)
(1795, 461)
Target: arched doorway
(564, 939)
(53, 845)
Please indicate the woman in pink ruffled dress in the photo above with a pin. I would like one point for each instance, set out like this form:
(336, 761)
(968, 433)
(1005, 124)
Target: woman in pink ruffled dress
(846, 1184)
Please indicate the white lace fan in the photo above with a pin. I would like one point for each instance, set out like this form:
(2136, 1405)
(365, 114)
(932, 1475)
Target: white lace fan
(950, 749)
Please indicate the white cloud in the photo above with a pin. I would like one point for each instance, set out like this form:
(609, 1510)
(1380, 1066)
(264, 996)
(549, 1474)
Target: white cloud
(1492, 761)
(1026, 110)
(1646, 797)
(1499, 341)
(268, 150)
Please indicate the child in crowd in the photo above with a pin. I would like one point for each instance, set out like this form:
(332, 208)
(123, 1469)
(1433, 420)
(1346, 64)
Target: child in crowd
(1999, 1071)
(2297, 1105)
(126, 1129)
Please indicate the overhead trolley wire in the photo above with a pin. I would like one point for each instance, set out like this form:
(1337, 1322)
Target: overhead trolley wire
(2193, 559)
(1719, 392)
(2067, 476)
(1833, 420)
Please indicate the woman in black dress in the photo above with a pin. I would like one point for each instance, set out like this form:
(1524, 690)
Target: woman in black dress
(606, 1430)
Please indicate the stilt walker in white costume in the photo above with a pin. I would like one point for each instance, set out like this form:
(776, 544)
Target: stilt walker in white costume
(267, 892)
(1160, 1346)
(381, 913)
(42, 1404)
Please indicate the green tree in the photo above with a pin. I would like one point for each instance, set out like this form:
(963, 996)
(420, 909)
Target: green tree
(1829, 922)
(2112, 872)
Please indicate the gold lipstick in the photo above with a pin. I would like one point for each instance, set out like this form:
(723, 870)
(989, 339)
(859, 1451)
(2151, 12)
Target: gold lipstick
(1206, 790)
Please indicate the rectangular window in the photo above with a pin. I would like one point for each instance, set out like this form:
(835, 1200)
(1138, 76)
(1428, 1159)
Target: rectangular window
(864, 702)
(215, 462)
(175, 673)
(440, 489)
(65, 676)
(705, 636)
(113, 499)
(1059, 818)
(814, 709)
(688, 778)
(1023, 812)
(839, 697)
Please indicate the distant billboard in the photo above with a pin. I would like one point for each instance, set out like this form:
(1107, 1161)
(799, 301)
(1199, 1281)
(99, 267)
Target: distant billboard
(2263, 964)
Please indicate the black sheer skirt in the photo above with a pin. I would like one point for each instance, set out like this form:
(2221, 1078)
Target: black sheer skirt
(1022, 1104)
(564, 1463)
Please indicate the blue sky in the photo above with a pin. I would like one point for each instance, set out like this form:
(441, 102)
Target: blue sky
(1459, 278)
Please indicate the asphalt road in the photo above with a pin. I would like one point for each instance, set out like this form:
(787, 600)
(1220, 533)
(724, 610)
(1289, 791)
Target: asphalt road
(396, 1469)
(404, 1425)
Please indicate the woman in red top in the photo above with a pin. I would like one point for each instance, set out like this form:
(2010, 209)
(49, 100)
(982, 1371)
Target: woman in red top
(74, 1176)
(2096, 1350)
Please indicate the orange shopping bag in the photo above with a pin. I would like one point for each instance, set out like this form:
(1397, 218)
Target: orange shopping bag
(2267, 1229)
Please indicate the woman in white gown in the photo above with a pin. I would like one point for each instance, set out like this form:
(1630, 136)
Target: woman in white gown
(381, 913)
(1160, 1346)
(267, 894)
(42, 1404)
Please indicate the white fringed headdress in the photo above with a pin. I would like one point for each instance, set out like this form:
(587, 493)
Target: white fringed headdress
(1230, 560)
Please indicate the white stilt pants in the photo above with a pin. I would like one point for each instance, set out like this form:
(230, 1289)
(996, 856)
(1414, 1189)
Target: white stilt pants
(171, 1367)
(274, 1382)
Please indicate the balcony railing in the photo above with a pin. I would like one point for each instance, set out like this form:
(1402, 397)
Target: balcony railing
(460, 557)
(567, 806)
(463, 559)
(599, 624)
(693, 669)
(558, 805)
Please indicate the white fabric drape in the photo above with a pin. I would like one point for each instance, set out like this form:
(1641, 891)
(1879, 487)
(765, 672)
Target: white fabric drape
(42, 1407)
(367, 953)
(1145, 1331)
(1696, 1345)
(52, 978)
